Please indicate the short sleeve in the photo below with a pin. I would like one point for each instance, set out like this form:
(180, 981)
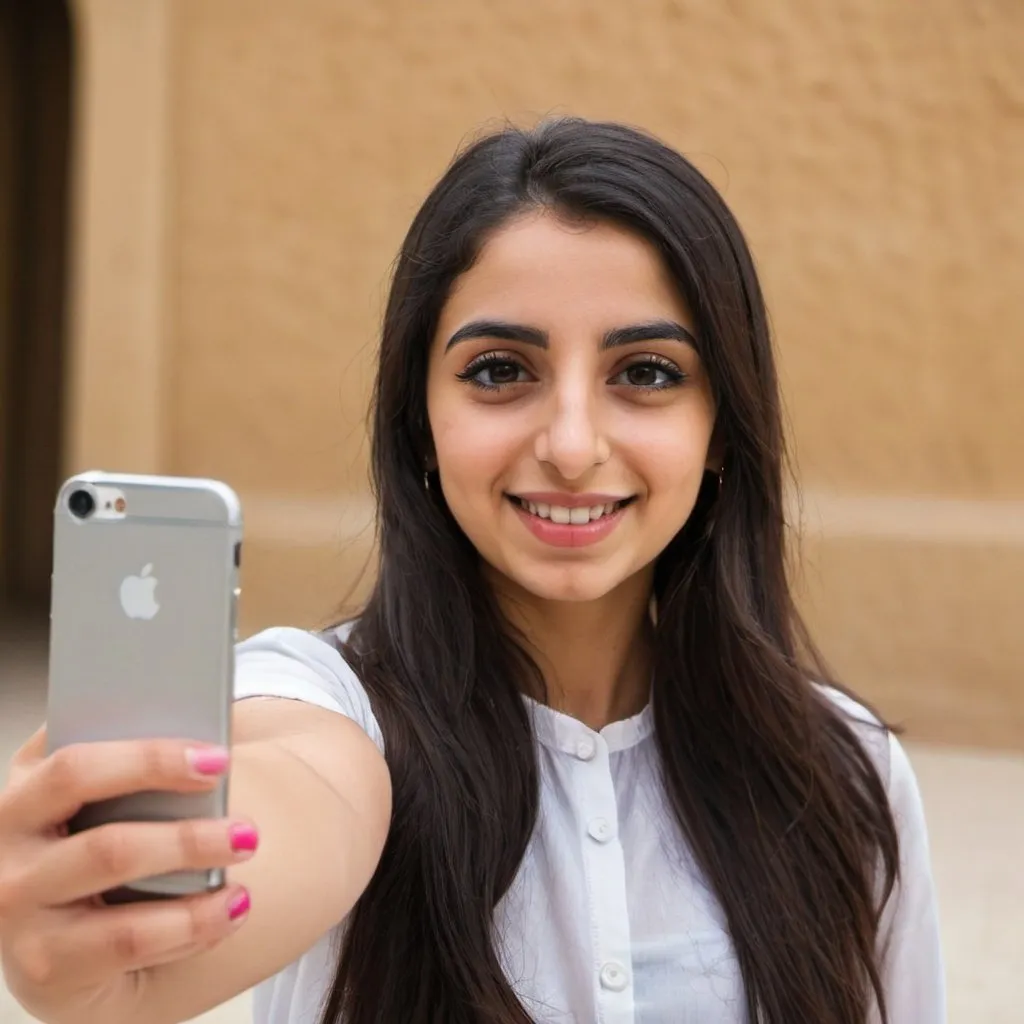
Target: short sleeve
(296, 665)
(909, 949)
(912, 968)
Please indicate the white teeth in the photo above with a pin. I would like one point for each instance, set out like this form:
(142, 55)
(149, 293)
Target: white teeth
(563, 515)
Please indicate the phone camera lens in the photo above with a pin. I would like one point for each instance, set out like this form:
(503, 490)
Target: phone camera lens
(81, 504)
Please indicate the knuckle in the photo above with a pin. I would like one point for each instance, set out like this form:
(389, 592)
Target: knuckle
(109, 851)
(203, 924)
(154, 762)
(33, 958)
(192, 843)
(126, 944)
(65, 768)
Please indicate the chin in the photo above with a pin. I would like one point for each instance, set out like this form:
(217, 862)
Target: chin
(578, 588)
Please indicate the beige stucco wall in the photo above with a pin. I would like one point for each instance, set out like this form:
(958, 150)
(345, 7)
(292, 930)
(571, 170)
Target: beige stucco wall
(874, 152)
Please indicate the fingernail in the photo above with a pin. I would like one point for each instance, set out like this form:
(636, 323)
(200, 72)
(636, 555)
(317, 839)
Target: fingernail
(239, 906)
(244, 838)
(207, 761)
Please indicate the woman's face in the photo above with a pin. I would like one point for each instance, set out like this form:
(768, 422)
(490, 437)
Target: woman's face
(570, 414)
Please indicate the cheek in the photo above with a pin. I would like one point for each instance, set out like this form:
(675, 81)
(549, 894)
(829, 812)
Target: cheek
(669, 453)
(473, 451)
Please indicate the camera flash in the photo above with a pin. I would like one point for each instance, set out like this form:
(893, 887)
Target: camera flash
(119, 505)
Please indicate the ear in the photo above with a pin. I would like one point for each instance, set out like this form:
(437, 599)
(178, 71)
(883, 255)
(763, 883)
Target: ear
(426, 445)
(716, 452)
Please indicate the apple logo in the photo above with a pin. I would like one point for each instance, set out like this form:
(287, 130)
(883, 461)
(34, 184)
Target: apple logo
(137, 597)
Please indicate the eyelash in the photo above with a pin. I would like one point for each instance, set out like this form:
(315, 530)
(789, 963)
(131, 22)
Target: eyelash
(674, 375)
(470, 375)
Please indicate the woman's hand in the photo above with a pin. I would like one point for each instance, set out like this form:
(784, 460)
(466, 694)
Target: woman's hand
(66, 956)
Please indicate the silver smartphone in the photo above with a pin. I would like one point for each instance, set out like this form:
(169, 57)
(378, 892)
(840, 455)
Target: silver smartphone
(143, 611)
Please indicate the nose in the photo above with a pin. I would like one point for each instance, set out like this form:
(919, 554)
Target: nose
(571, 439)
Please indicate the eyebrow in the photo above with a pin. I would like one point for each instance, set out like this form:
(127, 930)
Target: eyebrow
(502, 330)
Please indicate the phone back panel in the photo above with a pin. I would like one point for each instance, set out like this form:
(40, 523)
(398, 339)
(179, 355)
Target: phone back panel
(143, 627)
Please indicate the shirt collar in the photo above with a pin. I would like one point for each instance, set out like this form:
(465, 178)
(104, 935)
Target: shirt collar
(563, 732)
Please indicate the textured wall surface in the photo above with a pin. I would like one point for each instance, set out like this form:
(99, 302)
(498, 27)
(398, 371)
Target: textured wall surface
(873, 151)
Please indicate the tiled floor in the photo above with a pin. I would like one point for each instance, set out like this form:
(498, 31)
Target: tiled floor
(975, 806)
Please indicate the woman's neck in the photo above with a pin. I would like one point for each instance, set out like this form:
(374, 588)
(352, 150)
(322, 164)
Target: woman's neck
(595, 656)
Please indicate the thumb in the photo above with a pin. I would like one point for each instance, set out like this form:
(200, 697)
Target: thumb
(32, 750)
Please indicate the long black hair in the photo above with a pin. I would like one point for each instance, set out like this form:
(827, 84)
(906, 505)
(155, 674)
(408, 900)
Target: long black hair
(783, 808)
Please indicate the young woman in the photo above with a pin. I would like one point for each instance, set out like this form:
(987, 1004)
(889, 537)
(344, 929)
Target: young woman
(577, 759)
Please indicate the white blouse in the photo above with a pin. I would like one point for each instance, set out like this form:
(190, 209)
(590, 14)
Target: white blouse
(609, 919)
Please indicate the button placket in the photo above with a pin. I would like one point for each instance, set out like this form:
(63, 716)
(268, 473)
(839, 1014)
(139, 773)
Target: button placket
(586, 748)
(605, 872)
(613, 976)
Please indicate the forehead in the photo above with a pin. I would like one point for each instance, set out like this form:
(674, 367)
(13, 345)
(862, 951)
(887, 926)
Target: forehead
(542, 268)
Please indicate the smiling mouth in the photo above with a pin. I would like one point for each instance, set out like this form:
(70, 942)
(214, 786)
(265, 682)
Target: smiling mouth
(564, 516)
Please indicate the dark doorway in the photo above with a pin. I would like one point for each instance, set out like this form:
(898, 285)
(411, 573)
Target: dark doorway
(35, 129)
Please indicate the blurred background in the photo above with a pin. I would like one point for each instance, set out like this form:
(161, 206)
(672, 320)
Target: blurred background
(200, 201)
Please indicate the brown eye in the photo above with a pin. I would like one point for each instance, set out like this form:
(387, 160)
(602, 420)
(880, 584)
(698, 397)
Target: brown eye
(494, 371)
(503, 373)
(643, 375)
(651, 374)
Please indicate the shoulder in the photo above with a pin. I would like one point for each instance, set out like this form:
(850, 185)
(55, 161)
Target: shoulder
(893, 765)
(295, 664)
(890, 759)
(908, 935)
(872, 733)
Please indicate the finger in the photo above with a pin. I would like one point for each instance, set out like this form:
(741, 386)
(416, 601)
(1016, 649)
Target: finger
(31, 751)
(81, 948)
(56, 788)
(111, 856)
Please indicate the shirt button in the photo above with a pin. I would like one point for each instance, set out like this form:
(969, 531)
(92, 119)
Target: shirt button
(613, 976)
(600, 829)
(586, 749)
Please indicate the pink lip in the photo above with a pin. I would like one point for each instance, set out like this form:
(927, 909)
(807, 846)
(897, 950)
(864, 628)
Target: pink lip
(569, 500)
(568, 535)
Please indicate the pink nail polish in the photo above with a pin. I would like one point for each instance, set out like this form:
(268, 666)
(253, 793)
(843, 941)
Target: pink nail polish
(208, 760)
(244, 838)
(239, 906)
